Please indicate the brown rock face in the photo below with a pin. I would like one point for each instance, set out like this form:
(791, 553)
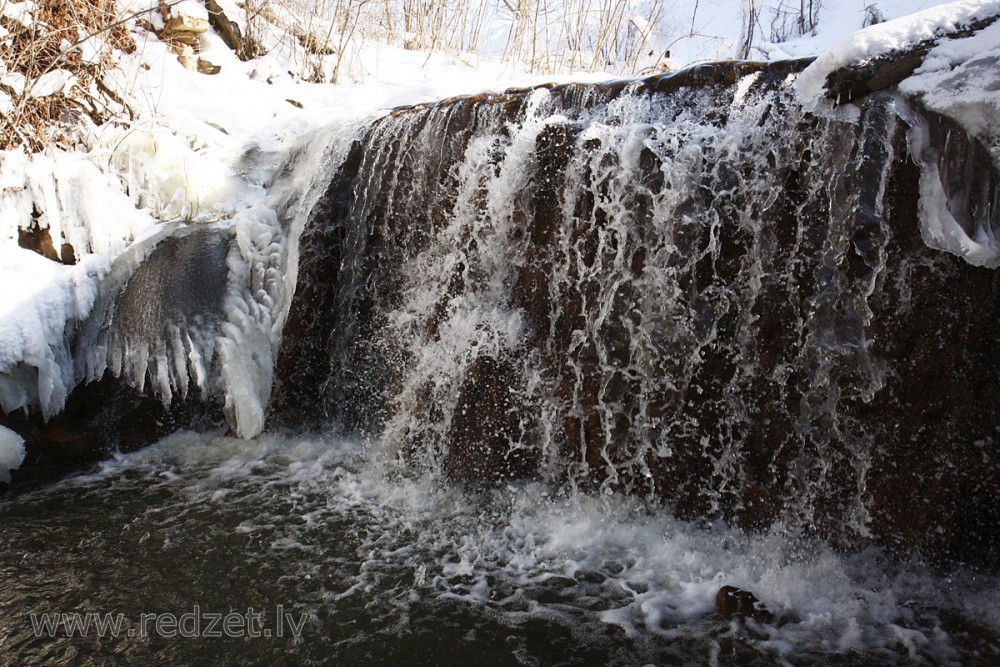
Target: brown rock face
(487, 426)
(37, 239)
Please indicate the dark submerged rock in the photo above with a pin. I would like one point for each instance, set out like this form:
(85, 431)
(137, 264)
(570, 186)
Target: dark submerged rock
(733, 602)
(101, 418)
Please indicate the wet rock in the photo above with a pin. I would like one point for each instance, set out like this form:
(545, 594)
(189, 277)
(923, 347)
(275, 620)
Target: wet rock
(733, 602)
(487, 433)
(101, 418)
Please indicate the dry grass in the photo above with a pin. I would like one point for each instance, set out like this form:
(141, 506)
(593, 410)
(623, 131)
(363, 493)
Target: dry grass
(56, 38)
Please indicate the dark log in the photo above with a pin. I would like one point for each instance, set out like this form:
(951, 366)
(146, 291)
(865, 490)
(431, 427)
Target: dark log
(230, 32)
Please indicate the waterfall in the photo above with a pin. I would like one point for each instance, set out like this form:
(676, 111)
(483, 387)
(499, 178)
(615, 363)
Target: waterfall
(685, 287)
(689, 288)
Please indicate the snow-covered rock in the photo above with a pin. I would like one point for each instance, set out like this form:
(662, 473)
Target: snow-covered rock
(885, 38)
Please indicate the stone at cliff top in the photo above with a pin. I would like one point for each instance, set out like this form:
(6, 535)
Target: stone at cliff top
(186, 24)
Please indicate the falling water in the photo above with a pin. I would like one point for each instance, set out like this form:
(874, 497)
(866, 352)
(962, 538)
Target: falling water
(664, 290)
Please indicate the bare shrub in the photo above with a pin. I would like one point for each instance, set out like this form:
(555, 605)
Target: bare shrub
(55, 53)
(793, 18)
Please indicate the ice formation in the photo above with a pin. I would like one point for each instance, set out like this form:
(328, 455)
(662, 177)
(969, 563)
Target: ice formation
(79, 205)
(11, 452)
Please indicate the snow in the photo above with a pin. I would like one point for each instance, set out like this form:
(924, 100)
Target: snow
(189, 8)
(13, 80)
(206, 150)
(883, 38)
(91, 47)
(839, 21)
(50, 83)
(21, 12)
(11, 452)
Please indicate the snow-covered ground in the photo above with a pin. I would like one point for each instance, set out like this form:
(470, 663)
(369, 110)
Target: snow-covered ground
(203, 150)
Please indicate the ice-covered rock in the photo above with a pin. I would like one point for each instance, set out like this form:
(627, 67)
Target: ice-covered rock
(885, 38)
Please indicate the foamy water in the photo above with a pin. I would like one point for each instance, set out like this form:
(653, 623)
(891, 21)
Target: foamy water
(402, 568)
